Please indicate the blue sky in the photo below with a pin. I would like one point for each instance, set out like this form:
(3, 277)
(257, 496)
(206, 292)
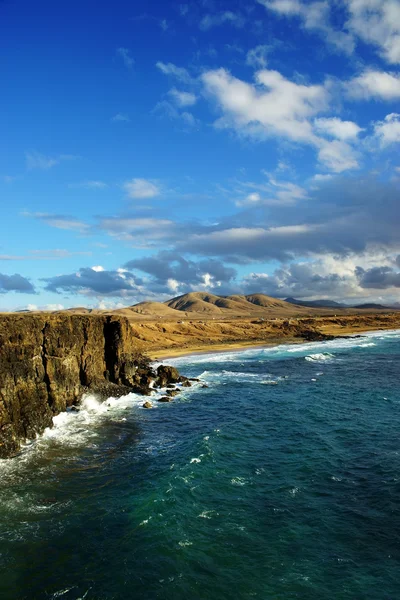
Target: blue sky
(149, 149)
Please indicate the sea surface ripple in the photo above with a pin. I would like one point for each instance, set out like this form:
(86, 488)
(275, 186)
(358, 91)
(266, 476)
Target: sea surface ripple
(280, 480)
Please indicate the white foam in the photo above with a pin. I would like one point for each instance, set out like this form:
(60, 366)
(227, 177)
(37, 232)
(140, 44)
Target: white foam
(319, 357)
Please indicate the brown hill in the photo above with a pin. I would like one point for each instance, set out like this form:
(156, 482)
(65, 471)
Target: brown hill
(268, 301)
(251, 305)
(150, 309)
(199, 302)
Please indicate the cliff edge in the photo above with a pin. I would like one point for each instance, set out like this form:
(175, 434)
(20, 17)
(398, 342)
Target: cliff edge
(48, 361)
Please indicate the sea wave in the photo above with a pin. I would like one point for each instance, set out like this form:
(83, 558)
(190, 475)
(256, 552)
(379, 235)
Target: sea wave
(320, 357)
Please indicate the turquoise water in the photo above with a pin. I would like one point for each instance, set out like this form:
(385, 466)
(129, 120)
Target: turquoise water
(281, 480)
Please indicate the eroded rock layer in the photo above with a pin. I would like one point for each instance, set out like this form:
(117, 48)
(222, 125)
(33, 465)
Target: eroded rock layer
(48, 361)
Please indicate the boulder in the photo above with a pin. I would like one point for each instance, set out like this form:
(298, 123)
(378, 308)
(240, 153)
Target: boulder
(166, 375)
(165, 399)
(186, 384)
(147, 405)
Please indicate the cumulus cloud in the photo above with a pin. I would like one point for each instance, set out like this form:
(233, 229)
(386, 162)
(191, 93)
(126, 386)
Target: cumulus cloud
(92, 282)
(335, 127)
(381, 85)
(302, 280)
(15, 283)
(141, 188)
(377, 22)
(182, 98)
(314, 16)
(379, 277)
(172, 70)
(257, 57)
(126, 57)
(338, 156)
(168, 267)
(275, 192)
(388, 130)
(272, 106)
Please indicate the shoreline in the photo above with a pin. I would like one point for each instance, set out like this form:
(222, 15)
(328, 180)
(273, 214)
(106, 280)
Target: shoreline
(198, 350)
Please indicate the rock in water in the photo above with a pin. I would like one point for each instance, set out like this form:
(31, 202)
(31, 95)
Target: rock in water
(165, 399)
(147, 405)
(166, 375)
(48, 361)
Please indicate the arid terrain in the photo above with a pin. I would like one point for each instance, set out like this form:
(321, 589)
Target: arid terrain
(200, 321)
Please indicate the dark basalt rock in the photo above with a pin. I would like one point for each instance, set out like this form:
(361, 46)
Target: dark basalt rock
(173, 392)
(167, 375)
(165, 399)
(186, 384)
(311, 335)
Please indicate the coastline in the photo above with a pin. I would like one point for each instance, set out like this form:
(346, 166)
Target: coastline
(197, 350)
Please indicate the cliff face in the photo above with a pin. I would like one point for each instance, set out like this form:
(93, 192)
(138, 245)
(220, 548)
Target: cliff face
(48, 361)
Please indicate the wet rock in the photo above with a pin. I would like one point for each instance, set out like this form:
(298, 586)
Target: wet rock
(186, 384)
(166, 375)
(165, 399)
(48, 361)
(147, 405)
(173, 392)
(204, 386)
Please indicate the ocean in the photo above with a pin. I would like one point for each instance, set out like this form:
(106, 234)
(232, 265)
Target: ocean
(280, 480)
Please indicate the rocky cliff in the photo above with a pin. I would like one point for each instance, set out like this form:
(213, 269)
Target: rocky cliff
(48, 361)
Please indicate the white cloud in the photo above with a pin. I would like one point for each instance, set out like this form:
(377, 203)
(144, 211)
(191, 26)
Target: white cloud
(183, 98)
(319, 177)
(98, 268)
(338, 156)
(45, 307)
(314, 16)
(141, 188)
(275, 193)
(374, 84)
(377, 22)
(388, 130)
(173, 285)
(120, 118)
(178, 72)
(257, 57)
(59, 221)
(125, 54)
(187, 119)
(35, 160)
(89, 185)
(334, 127)
(273, 106)
(222, 18)
(164, 24)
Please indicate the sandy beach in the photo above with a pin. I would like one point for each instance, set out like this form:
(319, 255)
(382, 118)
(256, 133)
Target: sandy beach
(264, 335)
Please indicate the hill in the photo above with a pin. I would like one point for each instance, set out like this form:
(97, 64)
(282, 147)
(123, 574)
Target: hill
(251, 305)
(152, 309)
(322, 303)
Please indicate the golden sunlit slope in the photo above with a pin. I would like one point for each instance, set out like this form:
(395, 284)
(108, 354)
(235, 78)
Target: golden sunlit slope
(254, 304)
(199, 302)
(150, 309)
